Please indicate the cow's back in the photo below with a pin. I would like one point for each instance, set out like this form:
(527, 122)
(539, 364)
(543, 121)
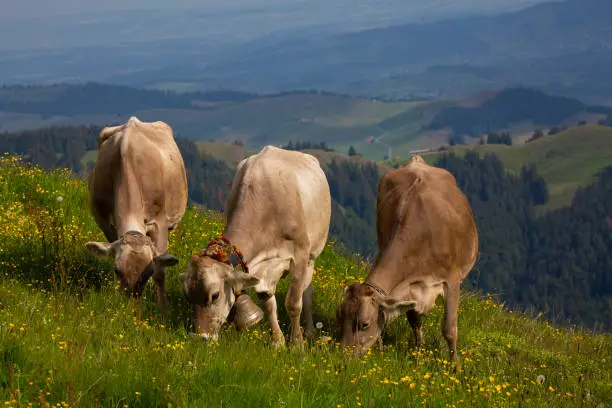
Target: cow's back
(145, 158)
(421, 208)
(285, 193)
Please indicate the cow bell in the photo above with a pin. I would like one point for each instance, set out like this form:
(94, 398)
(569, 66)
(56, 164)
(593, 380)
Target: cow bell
(247, 312)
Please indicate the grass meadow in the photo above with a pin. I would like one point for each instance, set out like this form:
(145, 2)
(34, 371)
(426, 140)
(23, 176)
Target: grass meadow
(69, 339)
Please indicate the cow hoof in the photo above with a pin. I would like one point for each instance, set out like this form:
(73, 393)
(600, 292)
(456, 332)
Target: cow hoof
(205, 337)
(277, 340)
(298, 346)
(309, 334)
(456, 365)
(278, 344)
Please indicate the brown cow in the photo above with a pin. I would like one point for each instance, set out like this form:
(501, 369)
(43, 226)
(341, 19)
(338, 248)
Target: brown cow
(138, 193)
(427, 244)
(278, 215)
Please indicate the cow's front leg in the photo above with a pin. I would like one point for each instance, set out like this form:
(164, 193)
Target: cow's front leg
(307, 305)
(449, 325)
(300, 280)
(159, 277)
(417, 327)
(268, 301)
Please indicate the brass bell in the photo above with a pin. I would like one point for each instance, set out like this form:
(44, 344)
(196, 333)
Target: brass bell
(247, 312)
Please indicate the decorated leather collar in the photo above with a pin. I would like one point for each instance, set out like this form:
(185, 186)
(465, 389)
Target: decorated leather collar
(222, 250)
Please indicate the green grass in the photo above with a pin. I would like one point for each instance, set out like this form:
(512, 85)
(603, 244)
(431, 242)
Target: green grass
(566, 161)
(67, 337)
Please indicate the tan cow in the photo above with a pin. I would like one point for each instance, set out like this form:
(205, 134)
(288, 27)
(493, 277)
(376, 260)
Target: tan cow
(427, 244)
(278, 216)
(138, 193)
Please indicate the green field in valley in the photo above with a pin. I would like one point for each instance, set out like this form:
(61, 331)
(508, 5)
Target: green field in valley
(566, 161)
(67, 338)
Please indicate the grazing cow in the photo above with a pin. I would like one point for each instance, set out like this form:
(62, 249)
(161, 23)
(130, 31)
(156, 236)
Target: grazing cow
(278, 216)
(427, 244)
(138, 193)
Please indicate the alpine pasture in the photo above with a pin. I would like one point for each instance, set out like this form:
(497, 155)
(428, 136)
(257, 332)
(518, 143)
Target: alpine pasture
(69, 339)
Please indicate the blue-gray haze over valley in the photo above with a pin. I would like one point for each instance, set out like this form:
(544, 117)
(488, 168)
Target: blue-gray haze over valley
(392, 48)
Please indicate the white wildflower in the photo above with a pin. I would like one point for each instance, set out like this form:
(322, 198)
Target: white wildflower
(60, 198)
(541, 379)
(319, 325)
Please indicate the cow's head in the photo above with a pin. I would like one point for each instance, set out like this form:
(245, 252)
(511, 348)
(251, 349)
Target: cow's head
(210, 287)
(135, 260)
(363, 314)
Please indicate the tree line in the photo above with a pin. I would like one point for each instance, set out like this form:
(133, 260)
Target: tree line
(305, 145)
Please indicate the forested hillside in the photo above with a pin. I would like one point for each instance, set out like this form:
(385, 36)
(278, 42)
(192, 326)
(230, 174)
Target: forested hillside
(558, 263)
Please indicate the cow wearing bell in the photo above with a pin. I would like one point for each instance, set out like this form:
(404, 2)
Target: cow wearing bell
(427, 245)
(278, 216)
(138, 193)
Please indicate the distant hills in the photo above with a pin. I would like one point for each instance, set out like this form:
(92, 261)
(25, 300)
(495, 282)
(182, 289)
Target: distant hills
(370, 125)
(561, 47)
(508, 107)
(229, 125)
(474, 52)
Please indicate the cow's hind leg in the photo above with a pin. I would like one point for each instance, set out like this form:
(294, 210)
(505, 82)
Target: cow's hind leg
(414, 318)
(307, 305)
(268, 301)
(300, 280)
(451, 309)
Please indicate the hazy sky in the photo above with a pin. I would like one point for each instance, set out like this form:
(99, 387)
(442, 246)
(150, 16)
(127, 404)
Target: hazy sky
(12, 9)
(17, 9)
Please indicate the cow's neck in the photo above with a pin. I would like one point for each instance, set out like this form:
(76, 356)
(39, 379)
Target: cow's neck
(242, 239)
(129, 205)
(389, 270)
(384, 280)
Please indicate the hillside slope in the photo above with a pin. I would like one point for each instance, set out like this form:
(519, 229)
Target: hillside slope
(68, 338)
(566, 161)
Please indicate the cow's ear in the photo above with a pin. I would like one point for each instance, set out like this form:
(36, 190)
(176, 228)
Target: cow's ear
(99, 249)
(394, 307)
(166, 260)
(241, 281)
